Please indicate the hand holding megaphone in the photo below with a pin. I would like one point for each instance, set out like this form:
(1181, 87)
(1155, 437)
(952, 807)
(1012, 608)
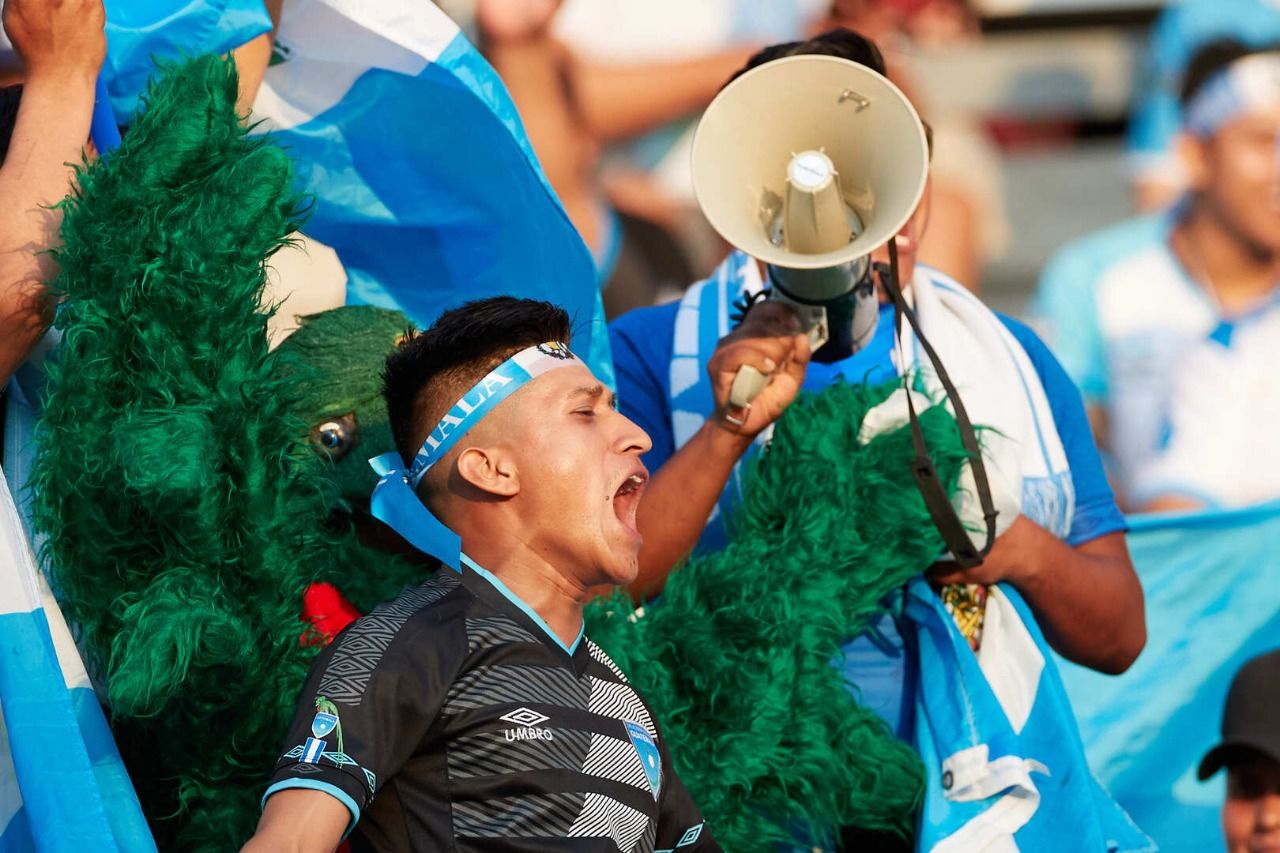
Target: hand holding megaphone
(768, 345)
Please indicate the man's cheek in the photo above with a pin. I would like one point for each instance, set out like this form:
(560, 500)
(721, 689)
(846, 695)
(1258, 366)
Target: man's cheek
(1237, 822)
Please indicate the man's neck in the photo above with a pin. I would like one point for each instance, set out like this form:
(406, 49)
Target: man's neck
(556, 598)
(1236, 272)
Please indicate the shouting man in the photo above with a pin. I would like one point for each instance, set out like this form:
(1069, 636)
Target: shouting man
(471, 713)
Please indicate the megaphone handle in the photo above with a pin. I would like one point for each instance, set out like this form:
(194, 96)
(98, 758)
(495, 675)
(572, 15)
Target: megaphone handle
(747, 385)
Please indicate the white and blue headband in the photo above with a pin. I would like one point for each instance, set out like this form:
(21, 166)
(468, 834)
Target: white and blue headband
(1247, 84)
(395, 501)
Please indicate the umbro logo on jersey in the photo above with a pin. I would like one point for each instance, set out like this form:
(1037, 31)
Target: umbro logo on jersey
(524, 717)
(528, 720)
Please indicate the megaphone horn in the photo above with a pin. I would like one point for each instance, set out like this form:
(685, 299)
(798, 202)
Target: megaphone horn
(809, 163)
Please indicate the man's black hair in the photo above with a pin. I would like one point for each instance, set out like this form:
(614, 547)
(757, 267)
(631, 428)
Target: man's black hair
(9, 99)
(840, 42)
(1212, 58)
(427, 374)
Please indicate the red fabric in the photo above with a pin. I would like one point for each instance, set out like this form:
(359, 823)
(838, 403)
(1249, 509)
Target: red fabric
(327, 611)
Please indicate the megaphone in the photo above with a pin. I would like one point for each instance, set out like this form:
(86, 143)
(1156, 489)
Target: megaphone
(809, 163)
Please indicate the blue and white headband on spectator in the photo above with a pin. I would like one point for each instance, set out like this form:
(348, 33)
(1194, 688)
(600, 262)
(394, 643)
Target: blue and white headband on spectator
(1247, 84)
(395, 501)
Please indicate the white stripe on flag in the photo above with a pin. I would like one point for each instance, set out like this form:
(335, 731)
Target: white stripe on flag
(331, 43)
(314, 749)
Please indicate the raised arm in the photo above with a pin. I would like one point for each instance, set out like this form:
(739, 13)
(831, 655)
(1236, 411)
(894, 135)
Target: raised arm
(683, 492)
(61, 44)
(252, 59)
(618, 101)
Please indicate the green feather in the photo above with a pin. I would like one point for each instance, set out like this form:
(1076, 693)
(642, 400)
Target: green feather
(736, 656)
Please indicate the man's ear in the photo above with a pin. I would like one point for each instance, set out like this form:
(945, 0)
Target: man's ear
(491, 470)
(1193, 156)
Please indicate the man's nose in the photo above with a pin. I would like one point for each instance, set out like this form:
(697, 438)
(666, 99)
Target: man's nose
(1269, 811)
(631, 437)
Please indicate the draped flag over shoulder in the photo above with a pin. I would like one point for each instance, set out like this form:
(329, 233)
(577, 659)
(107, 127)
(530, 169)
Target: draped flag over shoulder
(425, 182)
(1212, 584)
(62, 784)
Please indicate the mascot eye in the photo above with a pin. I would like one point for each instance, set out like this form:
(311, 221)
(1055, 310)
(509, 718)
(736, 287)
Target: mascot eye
(336, 437)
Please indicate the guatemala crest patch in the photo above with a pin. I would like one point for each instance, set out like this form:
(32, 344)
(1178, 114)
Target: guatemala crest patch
(647, 749)
(326, 720)
(323, 723)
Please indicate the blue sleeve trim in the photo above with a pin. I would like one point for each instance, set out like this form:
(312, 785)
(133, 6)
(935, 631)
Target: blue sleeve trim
(1095, 521)
(325, 787)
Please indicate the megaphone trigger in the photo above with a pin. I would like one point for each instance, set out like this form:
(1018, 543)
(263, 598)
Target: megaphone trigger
(748, 382)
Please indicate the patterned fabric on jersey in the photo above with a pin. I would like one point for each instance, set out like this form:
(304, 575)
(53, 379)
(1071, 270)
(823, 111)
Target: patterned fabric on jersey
(451, 719)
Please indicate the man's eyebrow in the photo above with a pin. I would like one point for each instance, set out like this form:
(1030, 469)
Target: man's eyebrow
(592, 391)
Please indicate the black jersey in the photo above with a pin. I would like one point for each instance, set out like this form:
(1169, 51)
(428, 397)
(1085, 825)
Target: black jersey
(452, 719)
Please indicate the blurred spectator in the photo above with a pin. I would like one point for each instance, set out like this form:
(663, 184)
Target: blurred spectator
(1182, 29)
(1170, 324)
(968, 223)
(61, 46)
(571, 106)
(1250, 751)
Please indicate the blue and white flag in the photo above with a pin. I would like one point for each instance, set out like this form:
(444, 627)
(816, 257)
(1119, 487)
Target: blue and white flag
(424, 180)
(1004, 765)
(63, 786)
(1212, 585)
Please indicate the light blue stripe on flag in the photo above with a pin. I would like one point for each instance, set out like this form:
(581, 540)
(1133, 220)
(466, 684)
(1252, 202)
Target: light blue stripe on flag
(1212, 584)
(424, 180)
(138, 30)
(62, 784)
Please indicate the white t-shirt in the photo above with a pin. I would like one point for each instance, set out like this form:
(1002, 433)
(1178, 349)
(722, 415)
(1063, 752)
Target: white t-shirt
(1190, 395)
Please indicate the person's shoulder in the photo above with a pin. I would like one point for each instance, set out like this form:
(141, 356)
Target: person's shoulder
(1114, 244)
(424, 615)
(642, 341)
(1042, 358)
(1023, 333)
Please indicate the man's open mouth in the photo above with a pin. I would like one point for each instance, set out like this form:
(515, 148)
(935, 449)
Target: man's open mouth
(626, 499)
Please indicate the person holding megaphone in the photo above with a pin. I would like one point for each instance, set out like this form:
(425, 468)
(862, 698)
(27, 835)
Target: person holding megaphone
(815, 167)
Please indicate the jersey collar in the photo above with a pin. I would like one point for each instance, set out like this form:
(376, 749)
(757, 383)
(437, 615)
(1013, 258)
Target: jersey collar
(510, 596)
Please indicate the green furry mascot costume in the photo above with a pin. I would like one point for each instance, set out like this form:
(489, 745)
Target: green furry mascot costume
(192, 485)
(185, 511)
